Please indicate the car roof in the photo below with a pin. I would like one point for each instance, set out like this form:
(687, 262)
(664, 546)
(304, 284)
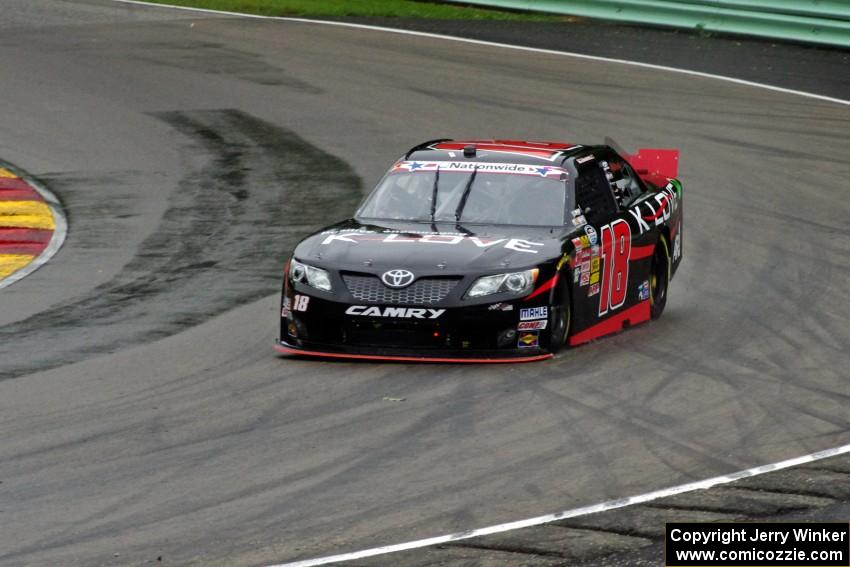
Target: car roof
(513, 151)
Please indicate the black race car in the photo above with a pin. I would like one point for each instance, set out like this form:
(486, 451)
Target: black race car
(489, 251)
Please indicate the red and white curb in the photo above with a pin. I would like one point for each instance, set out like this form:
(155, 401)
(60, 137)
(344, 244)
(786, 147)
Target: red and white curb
(32, 225)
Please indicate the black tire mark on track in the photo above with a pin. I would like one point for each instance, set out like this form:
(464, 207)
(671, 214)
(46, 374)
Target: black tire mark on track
(246, 181)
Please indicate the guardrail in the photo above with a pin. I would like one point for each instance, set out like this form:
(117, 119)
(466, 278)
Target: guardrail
(814, 21)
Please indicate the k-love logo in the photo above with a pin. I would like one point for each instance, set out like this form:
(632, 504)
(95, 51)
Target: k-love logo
(645, 213)
(516, 244)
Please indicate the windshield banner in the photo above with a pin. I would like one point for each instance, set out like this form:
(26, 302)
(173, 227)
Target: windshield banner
(469, 167)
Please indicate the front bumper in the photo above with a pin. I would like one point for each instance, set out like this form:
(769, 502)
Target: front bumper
(489, 332)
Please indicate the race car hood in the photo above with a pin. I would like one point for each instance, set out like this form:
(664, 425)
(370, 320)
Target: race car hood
(429, 248)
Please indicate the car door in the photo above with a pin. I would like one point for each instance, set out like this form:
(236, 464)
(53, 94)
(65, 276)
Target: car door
(627, 240)
(606, 283)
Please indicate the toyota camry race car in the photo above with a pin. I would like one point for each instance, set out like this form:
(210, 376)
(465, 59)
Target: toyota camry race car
(489, 251)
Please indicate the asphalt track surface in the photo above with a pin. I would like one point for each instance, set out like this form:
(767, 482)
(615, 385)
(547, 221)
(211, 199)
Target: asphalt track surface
(142, 410)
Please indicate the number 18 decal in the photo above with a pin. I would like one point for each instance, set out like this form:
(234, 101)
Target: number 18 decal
(301, 302)
(616, 250)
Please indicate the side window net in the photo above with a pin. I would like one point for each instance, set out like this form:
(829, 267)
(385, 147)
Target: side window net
(623, 180)
(593, 192)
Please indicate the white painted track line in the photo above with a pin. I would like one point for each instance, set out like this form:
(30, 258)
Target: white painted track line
(584, 510)
(575, 512)
(502, 46)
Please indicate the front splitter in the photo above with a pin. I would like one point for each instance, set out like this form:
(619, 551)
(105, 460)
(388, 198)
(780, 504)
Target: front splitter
(284, 348)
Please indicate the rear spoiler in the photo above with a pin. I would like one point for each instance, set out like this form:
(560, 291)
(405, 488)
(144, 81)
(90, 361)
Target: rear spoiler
(649, 162)
(653, 161)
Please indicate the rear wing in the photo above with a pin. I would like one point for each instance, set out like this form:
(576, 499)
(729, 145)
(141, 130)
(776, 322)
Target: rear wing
(649, 162)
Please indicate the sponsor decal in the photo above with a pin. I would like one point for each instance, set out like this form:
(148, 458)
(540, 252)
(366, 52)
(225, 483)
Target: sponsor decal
(662, 213)
(584, 255)
(501, 307)
(469, 166)
(533, 313)
(577, 242)
(585, 266)
(286, 309)
(576, 275)
(397, 278)
(389, 237)
(585, 159)
(593, 290)
(585, 241)
(527, 339)
(579, 221)
(645, 213)
(585, 279)
(594, 264)
(643, 291)
(394, 312)
(591, 235)
(532, 325)
(576, 213)
(301, 303)
(594, 277)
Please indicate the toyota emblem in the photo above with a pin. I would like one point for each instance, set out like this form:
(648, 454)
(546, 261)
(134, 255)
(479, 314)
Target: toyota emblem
(397, 278)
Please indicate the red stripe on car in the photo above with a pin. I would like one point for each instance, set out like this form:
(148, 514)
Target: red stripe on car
(632, 316)
(545, 287)
(641, 252)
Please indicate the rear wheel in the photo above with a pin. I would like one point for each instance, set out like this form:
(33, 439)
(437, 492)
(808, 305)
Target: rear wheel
(659, 278)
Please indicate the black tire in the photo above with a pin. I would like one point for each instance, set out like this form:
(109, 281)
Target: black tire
(559, 323)
(659, 278)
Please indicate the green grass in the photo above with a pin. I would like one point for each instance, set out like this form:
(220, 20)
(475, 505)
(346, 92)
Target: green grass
(362, 8)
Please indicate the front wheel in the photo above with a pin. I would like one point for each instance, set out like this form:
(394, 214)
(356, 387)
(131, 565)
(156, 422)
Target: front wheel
(659, 278)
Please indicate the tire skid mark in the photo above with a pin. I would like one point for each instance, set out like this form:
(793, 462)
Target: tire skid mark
(245, 178)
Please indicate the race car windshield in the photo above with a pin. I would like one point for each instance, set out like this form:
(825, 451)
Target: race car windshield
(476, 195)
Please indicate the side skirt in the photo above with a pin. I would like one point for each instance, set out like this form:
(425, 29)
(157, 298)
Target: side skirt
(632, 316)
